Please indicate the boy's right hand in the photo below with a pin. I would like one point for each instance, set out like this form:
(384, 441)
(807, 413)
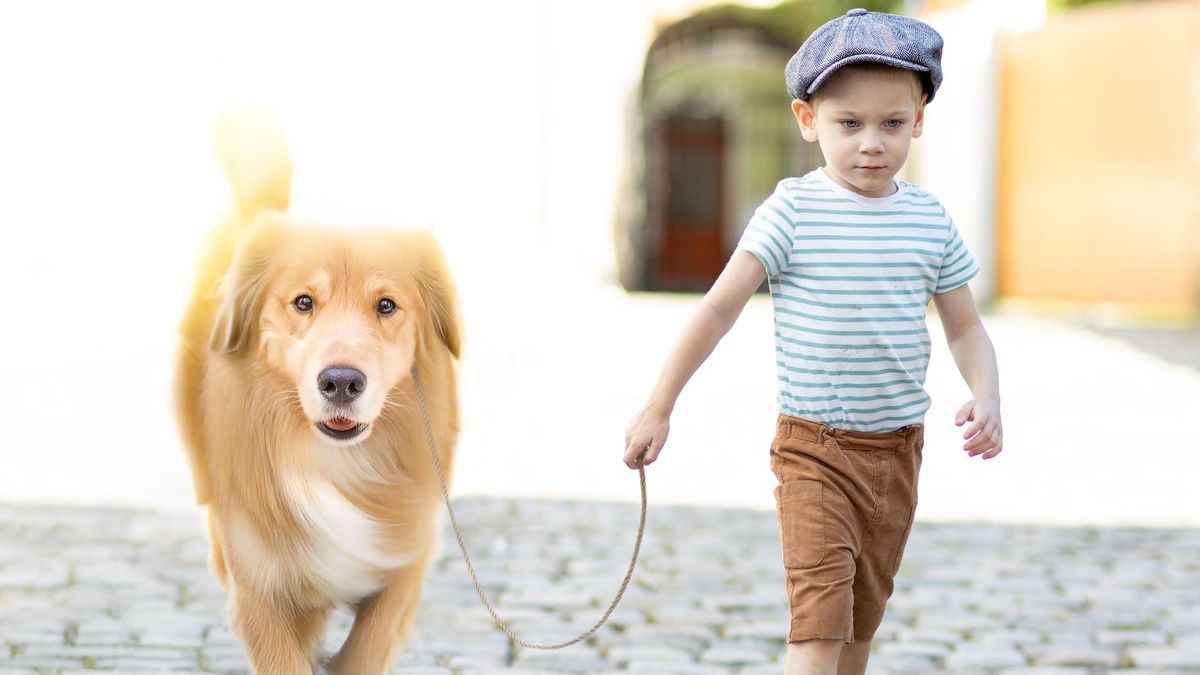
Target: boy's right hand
(715, 315)
(647, 433)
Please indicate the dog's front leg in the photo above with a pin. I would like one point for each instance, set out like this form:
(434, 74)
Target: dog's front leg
(381, 624)
(279, 640)
(216, 557)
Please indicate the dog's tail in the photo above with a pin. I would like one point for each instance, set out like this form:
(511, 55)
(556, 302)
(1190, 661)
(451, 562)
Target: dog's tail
(254, 156)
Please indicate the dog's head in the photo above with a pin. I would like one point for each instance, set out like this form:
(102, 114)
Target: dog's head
(339, 316)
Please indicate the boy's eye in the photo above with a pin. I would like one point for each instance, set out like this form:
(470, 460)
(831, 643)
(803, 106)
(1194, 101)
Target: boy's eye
(849, 124)
(892, 124)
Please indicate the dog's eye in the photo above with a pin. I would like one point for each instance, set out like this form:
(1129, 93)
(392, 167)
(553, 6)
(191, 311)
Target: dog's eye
(386, 306)
(303, 304)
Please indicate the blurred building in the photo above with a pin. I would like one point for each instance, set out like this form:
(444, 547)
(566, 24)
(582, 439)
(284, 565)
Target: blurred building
(1099, 163)
(1084, 189)
(1066, 144)
(710, 135)
(714, 139)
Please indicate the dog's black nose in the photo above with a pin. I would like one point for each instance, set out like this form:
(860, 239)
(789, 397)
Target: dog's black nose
(340, 384)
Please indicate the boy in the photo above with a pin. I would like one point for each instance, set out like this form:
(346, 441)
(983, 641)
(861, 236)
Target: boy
(853, 258)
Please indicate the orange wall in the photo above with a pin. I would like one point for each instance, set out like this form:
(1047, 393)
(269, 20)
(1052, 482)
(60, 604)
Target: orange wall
(1099, 167)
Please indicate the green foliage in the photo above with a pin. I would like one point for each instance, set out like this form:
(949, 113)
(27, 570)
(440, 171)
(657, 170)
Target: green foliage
(1057, 5)
(794, 20)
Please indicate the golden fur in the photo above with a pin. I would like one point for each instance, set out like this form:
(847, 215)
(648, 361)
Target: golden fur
(300, 521)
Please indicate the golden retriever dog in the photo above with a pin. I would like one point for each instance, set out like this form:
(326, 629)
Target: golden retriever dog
(298, 410)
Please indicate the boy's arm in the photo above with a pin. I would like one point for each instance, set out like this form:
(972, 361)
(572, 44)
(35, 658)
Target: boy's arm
(976, 360)
(713, 318)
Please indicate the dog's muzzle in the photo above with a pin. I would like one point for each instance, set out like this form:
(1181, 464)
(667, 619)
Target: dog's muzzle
(340, 386)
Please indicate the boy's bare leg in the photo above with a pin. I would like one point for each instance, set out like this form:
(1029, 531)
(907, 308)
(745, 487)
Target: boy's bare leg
(813, 657)
(853, 660)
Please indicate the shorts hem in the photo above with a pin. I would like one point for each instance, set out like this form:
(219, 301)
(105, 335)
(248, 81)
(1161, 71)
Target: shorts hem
(805, 637)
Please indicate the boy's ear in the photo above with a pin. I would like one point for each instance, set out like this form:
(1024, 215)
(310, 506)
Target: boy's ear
(806, 119)
(919, 120)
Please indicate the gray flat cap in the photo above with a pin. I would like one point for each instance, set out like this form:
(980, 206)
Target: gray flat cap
(859, 36)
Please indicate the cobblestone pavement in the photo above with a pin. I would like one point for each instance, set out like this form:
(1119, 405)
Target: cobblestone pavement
(121, 590)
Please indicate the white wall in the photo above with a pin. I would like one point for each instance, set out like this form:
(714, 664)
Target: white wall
(956, 155)
(449, 116)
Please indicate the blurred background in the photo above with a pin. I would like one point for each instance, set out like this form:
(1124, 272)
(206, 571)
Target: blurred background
(589, 167)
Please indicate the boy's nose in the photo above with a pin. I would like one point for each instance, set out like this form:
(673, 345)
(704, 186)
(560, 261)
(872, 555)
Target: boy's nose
(872, 145)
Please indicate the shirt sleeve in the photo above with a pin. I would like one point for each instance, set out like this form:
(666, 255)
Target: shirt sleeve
(771, 232)
(958, 265)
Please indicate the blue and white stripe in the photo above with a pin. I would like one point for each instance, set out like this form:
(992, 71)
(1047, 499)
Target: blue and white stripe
(850, 279)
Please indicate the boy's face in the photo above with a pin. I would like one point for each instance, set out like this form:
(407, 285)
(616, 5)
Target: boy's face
(864, 123)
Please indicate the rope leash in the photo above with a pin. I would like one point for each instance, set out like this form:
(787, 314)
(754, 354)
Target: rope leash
(437, 465)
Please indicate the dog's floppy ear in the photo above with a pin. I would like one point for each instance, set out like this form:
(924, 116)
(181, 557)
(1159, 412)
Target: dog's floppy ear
(241, 292)
(438, 292)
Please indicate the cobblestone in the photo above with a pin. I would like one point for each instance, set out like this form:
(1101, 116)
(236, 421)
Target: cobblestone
(1104, 658)
(85, 590)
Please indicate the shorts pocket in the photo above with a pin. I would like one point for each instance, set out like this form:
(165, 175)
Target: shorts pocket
(899, 555)
(801, 523)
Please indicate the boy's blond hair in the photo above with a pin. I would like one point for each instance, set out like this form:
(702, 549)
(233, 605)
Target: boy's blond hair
(872, 69)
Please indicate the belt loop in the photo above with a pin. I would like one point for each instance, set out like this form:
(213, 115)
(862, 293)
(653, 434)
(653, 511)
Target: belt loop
(822, 433)
(910, 437)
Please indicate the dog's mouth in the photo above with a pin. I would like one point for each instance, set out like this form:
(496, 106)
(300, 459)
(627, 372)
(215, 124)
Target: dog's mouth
(341, 428)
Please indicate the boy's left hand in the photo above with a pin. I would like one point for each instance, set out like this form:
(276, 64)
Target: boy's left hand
(985, 436)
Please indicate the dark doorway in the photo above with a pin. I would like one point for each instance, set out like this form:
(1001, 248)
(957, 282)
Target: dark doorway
(689, 205)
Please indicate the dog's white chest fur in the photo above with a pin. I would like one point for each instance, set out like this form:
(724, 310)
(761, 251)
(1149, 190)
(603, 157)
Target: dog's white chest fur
(344, 554)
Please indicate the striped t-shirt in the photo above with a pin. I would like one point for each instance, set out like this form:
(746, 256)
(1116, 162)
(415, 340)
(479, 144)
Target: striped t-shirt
(850, 279)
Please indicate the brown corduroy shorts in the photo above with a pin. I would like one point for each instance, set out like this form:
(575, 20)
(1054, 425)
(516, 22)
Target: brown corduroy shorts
(846, 501)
